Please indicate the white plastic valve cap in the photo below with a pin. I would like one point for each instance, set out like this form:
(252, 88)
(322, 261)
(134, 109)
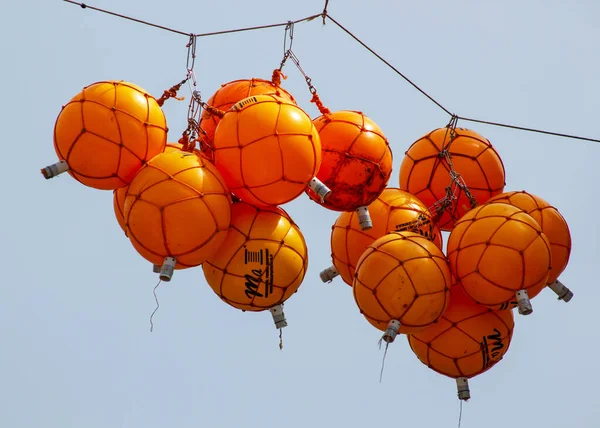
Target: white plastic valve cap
(328, 274)
(166, 270)
(462, 385)
(278, 316)
(319, 188)
(561, 290)
(364, 218)
(56, 169)
(523, 303)
(392, 331)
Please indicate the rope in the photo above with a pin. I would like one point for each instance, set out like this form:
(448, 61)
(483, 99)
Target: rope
(277, 76)
(157, 306)
(213, 110)
(383, 359)
(315, 99)
(172, 30)
(280, 339)
(85, 6)
(389, 65)
(260, 27)
(324, 14)
(171, 93)
(521, 128)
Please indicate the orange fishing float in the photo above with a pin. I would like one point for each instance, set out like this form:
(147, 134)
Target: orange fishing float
(498, 252)
(106, 133)
(402, 283)
(356, 161)
(177, 211)
(425, 171)
(393, 210)
(229, 94)
(267, 150)
(261, 263)
(556, 229)
(466, 341)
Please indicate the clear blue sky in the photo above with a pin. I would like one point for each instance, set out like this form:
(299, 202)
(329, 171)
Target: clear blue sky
(75, 301)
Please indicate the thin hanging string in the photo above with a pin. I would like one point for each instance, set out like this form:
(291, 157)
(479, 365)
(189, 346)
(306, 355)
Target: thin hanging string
(324, 14)
(460, 413)
(280, 339)
(157, 305)
(383, 360)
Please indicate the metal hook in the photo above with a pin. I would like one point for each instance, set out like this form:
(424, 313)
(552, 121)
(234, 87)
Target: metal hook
(289, 32)
(191, 56)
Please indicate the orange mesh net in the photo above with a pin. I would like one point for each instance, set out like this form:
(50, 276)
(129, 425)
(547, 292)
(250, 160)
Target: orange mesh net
(262, 262)
(497, 249)
(164, 202)
(229, 94)
(267, 150)
(393, 210)
(106, 134)
(405, 277)
(466, 341)
(357, 160)
(553, 225)
(426, 171)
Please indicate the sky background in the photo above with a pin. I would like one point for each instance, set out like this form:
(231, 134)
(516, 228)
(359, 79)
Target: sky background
(76, 297)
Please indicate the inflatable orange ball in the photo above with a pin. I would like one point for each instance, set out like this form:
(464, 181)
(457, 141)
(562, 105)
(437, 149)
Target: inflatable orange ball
(177, 206)
(552, 223)
(262, 262)
(228, 95)
(119, 194)
(466, 341)
(107, 132)
(393, 210)
(496, 250)
(267, 149)
(119, 206)
(356, 160)
(425, 171)
(402, 276)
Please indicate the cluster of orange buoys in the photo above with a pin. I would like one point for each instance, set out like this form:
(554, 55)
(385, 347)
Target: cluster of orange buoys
(215, 202)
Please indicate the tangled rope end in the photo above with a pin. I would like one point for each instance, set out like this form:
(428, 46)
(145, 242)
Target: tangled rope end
(277, 76)
(315, 99)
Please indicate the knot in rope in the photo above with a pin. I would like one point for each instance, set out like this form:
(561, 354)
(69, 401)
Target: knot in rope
(185, 142)
(171, 93)
(315, 99)
(213, 110)
(277, 76)
(324, 13)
